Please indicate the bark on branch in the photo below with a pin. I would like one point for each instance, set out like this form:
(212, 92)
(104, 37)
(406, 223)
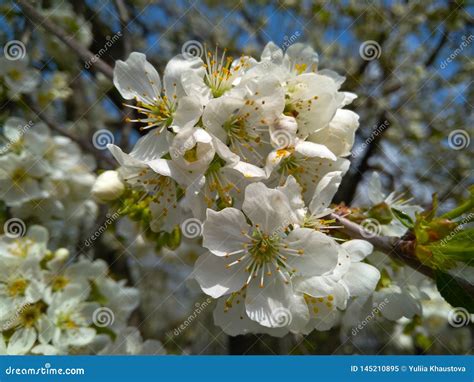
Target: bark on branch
(401, 249)
(85, 54)
(84, 144)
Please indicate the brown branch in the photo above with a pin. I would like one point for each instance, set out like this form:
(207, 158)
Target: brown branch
(435, 52)
(347, 191)
(349, 186)
(124, 17)
(395, 247)
(85, 145)
(401, 249)
(85, 54)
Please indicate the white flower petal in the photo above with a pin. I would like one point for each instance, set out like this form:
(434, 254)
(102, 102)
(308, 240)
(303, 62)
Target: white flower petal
(174, 70)
(396, 303)
(361, 279)
(311, 149)
(339, 135)
(215, 278)
(21, 341)
(324, 193)
(263, 304)
(137, 78)
(374, 189)
(320, 252)
(187, 114)
(358, 249)
(233, 319)
(302, 55)
(151, 146)
(223, 231)
(268, 208)
(292, 190)
(248, 170)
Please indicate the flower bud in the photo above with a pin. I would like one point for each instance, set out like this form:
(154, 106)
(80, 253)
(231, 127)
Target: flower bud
(107, 187)
(61, 254)
(381, 212)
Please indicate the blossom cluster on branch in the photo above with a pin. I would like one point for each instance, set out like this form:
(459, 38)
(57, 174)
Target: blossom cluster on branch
(233, 177)
(52, 304)
(47, 179)
(253, 153)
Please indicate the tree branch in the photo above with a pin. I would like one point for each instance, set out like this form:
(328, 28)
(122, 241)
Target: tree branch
(349, 186)
(85, 145)
(85, 54)
(346, 192)
(126, 50)
(401, 249)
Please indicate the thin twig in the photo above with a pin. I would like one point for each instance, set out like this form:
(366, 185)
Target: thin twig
(85, 54)
(401, 249)
(124, 20)
(124, 17)
(85, 145)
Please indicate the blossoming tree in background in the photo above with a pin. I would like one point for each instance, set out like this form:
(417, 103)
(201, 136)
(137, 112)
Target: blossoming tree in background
(224, 177)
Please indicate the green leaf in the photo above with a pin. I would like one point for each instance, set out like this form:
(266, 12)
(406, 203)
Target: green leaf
(453, 292)
(458, 245)
(403, 218)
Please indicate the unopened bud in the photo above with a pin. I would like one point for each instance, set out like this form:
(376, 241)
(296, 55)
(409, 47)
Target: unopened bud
(382, 213)
(107, 187)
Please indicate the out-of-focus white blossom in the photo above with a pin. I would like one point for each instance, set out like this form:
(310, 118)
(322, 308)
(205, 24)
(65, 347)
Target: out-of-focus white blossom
(50, 305)
(46, 178)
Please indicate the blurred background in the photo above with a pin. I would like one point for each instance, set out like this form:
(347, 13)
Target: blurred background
(410, 63)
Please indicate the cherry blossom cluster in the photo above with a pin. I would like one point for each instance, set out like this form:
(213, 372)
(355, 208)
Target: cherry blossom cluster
(46, 179)
(253, 151)
(52, 304)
